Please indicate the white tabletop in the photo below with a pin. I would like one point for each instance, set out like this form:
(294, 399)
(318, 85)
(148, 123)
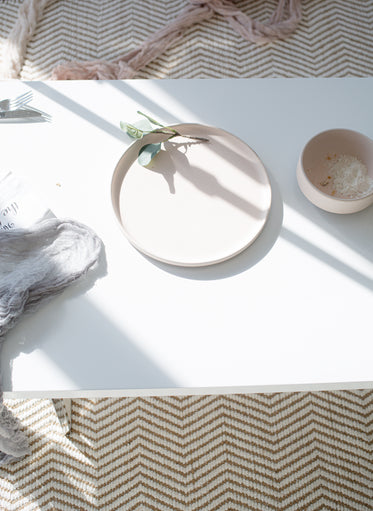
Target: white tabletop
(293, 311)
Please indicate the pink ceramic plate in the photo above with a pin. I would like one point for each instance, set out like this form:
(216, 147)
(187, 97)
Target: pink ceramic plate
(198, 203)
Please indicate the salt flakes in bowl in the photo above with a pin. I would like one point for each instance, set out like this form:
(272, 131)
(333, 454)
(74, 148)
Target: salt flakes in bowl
(335, 171)
(348, 177)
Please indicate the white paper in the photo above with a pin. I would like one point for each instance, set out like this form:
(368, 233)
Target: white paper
(19, 207)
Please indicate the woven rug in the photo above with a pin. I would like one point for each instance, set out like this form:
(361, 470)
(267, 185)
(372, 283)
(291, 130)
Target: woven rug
(275, 452)
(334, 38)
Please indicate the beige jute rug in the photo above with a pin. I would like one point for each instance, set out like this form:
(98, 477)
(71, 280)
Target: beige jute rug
(275, 452)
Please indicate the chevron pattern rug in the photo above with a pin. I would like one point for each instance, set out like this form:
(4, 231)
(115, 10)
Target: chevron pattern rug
(333, 39)
(264, 452)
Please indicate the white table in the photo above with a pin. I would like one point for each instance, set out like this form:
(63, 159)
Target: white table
(292, 312)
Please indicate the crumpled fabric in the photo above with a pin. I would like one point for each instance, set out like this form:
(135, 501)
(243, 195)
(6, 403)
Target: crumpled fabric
(37, 264)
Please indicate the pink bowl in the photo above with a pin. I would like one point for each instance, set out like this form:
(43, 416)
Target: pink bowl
(312, 169)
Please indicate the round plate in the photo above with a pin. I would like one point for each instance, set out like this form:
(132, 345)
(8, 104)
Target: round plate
(197, 203)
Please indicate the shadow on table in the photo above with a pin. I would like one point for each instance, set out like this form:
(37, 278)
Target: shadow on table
(97, 356)
(77, 108)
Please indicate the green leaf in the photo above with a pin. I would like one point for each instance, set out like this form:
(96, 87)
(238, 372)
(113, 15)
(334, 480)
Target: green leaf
(153, 121)
(147, 153)
(137, 129)
(131, 130)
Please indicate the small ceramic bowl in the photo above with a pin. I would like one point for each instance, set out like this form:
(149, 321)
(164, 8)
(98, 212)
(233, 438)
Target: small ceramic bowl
(316, 171)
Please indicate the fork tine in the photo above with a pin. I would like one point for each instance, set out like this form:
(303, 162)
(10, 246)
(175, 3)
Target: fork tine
(22, 99)
(14, 103)
(24, 96)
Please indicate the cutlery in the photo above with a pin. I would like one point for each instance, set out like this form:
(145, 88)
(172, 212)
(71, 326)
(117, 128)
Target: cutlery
(46, 117)
(24, 114)
(13, 104)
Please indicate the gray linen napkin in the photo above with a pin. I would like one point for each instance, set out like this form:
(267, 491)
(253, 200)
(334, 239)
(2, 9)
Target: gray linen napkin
(36, 264)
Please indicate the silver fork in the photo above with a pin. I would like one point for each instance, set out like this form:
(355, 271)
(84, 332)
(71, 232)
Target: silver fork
(18, 102)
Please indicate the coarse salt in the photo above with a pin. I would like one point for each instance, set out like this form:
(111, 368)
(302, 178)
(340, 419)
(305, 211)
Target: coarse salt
(349, 177)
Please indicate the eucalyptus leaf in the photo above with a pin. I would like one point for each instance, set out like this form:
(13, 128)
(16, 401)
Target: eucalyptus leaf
(123, 125)
(147, 153)
(138, 128)
(144, 126)
(131, 130)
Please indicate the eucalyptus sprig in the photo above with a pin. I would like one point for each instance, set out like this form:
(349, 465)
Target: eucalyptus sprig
(145, 126)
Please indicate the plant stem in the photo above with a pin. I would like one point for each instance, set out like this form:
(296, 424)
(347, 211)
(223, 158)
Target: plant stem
(202, 139)
(153, 121)
(173, 133)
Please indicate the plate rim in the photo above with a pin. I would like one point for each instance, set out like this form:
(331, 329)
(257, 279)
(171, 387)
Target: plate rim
(114, 193)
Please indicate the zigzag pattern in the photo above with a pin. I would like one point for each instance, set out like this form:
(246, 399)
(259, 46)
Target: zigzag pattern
(280, 452)
(333, 39)
(8, 17)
